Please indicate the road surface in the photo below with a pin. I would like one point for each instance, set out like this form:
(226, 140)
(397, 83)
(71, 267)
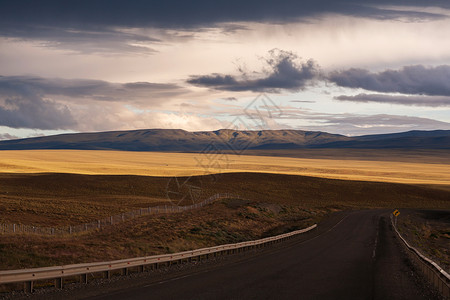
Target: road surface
(353, 256)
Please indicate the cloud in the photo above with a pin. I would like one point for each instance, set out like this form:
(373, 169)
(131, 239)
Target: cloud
(418, 80)
(115, 117)
(24, 105)
(199, 13)
(144, 92)
(430, 101)
(283, 72)
(376, 124)
(25, 110)
(302, 101)
(7, 136)
(340, 123)
(105, 41)
(42, 103)
(380, 123)
(102, 26)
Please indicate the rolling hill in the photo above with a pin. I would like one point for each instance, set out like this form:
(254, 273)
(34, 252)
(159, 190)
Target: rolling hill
(177, 140)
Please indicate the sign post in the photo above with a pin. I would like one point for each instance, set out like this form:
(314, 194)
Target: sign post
(396, 213)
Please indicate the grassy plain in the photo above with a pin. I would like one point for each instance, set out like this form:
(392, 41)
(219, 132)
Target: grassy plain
(71, 199)
(413, 170)
(61, 187)
(224, 222)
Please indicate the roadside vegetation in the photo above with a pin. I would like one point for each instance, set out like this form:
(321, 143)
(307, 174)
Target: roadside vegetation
(429, 232)
(226, 221)
(271, 204)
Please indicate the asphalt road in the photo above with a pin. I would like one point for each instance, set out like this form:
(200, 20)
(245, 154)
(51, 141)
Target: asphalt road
(355, 256)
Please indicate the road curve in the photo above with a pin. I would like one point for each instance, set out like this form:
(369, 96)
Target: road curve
(355, 257)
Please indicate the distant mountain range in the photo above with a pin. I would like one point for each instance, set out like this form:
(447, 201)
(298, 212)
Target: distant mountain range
(177, 140)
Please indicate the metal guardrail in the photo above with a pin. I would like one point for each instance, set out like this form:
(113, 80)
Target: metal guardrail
(432, 271)
(109, 221)
(29, 276)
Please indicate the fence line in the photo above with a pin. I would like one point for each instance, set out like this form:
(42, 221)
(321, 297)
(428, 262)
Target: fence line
(436, 275)
(108, 221)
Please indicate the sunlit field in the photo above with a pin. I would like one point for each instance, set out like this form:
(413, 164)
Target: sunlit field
(186, 164)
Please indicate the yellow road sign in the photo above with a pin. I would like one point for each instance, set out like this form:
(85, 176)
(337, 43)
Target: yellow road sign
(396, 212)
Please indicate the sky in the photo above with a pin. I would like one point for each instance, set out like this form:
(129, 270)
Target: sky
(340, 66)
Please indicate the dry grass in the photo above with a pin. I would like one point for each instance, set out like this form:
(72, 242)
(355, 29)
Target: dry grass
(71, 199)
(427, 156)
(279, 202)
(228, 221)
(429, 231)
(186, 164)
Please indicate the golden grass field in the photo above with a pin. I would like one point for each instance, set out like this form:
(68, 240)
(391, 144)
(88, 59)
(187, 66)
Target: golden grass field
(186, 164)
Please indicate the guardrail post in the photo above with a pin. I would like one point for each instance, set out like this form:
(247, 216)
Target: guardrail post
(28, 286)
(59, 283)
(84, 278)
(141, 268)
(124, 271)
(98, 224)
(107, 274)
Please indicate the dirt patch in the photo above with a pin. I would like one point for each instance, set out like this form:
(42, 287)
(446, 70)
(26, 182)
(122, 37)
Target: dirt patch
(272, 207)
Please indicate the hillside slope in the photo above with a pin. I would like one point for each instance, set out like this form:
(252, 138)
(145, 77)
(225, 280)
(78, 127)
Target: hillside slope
(177, 140)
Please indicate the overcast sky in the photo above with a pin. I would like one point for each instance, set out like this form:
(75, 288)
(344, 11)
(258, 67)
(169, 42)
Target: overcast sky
(354, 68)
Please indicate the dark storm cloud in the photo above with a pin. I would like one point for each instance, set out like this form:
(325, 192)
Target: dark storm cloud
(90, 89)
(25, 110)
(283, 73)
(431, 101)
(83, 40)
(23, 105)
(418, 80)
(95, 26)
(199, 13)
(34, 102)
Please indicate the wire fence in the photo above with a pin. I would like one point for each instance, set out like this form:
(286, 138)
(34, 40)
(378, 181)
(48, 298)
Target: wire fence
(109, 221)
